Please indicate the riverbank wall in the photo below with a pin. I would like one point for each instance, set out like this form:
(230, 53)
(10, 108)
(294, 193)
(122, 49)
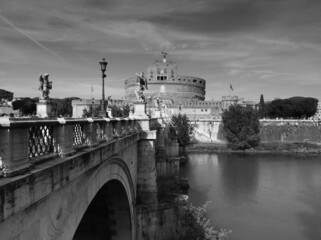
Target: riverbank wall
(271, 130)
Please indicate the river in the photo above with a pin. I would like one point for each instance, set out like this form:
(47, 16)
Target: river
(258, 197)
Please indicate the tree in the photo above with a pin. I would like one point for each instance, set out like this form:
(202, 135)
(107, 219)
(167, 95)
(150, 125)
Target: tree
(295, 107)
(92, 112)
(241, 127)
(120, 111)
(6, 95)
(262, 107)
(182, 128)
(27, 106)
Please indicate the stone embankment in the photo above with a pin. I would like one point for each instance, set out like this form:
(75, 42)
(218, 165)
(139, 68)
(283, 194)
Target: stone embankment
(271, 130)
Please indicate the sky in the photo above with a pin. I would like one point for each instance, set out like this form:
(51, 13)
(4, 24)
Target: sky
(269, 47)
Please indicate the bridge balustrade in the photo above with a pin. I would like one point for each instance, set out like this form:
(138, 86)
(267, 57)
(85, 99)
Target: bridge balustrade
(25, 142)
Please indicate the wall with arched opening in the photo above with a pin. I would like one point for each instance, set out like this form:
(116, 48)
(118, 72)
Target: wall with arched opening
(59, 215)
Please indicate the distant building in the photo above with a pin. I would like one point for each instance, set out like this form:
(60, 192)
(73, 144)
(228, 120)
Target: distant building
(5, 108)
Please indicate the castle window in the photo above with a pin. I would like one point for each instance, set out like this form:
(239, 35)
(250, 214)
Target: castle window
(194, 81)
(161, 78)
(200, 81)
(179, 79)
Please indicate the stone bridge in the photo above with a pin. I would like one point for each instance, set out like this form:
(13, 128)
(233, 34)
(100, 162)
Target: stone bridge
(85, 179)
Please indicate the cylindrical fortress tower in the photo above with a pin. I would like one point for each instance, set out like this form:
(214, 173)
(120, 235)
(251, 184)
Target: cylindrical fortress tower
(164, 82)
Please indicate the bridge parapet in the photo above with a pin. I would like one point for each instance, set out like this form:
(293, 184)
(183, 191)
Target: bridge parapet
(25, 142)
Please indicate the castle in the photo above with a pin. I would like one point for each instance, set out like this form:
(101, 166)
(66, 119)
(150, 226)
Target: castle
(176, 94)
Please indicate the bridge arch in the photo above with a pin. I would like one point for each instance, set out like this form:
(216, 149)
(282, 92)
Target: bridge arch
(111, 181)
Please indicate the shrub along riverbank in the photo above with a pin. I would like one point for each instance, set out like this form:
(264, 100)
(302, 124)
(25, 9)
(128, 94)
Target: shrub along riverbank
(272, 147)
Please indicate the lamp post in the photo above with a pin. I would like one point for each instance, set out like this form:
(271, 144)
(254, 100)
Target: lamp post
(103, 66)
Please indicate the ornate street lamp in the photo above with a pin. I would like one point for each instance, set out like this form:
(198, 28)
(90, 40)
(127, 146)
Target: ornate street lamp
(103, 66)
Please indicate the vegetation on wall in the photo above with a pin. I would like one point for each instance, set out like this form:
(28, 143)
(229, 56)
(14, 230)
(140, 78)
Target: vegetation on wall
(181, 128)
(241, 127)
(295, 107)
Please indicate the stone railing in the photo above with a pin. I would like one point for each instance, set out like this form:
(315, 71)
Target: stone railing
(25, 142)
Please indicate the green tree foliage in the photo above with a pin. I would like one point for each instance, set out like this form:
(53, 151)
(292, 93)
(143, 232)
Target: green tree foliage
(92, 112)
(121, 112)
(62, 107)
(241, 127)
(27, 106)
(295, 107)
(182, 128)
(262, 108)
(6, 95)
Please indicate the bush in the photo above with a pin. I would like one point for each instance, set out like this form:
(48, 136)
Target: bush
(241, 127)
(198, 226)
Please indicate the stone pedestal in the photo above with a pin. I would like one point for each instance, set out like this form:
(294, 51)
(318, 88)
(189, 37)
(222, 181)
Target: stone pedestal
(44, 108)
(140, 110)
(157, 114)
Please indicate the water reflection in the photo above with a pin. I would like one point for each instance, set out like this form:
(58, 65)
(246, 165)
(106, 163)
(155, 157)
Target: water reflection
(259, 196)
(239, 176)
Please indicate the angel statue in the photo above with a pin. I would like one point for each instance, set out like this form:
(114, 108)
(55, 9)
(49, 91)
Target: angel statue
(141, 86)
(45, 85)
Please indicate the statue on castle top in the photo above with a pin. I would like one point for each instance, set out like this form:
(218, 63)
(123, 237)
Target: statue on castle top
(164, 56)
(141, 86)
(45, 86)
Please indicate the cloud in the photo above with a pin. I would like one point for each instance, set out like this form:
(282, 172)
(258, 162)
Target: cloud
(30, 37)
(260, 44)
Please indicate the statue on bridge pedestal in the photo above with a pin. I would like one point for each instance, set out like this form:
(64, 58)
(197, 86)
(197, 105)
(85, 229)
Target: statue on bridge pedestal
(141, 86)
(45, 86)
(44, 106)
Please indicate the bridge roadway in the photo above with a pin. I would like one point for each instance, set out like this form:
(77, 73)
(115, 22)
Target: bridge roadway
(76, 178)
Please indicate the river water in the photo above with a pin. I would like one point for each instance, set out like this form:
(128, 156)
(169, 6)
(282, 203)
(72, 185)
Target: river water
(258, 197)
